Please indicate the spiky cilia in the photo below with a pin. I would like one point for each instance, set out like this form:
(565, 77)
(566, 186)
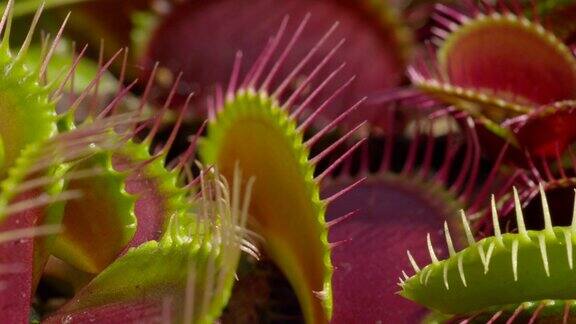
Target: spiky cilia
(28, 108)
(188, 273)
(405, 195)
(464, 69)
(378, 21)
(287, 211)
(545, 311)
(499, 270)
(31, 152)
(38, 177)
(79, 159)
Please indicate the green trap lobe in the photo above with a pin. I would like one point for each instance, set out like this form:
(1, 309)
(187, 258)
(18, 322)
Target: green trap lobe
(98, 226)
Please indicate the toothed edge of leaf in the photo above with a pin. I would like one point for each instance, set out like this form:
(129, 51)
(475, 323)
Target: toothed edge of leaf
(61, 151)
(549, 310)
(124, 202)
(251, 103)
(450, 34)
(440, 88)
(168, 184)
(535, 28)
(548, 238)
(208, 244)
(44, 167)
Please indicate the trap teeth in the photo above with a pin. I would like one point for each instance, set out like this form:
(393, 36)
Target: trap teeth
(546, 211)
(413, 262)
(467, 230)
(519, 214)
(507, 259)
(433, 257)
(495, 221)
(449, 243)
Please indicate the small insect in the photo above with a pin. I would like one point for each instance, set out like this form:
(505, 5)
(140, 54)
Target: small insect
(503, 269)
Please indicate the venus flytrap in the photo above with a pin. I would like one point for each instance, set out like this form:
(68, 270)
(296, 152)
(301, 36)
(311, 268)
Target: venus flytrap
(30, 151)
(186, 276)
(406, 195)
(468, 50)
(496, 271)
(161, 239)
(380, 23)
(286, 210)
(21, 88)
(34, 195)
(62, 161)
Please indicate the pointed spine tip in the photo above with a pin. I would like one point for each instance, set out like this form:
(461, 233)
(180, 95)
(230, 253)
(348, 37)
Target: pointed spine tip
(6, 24)
(413, 262)
(546, 211)
(334, 245)
(433, 257)
(519, 214)
(467, 230)
(495, 221)
(449, 242)
(24, 48)
(406, 277)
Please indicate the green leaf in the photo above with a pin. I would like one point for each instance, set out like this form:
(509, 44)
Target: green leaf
(189, 272)
(97, 227)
